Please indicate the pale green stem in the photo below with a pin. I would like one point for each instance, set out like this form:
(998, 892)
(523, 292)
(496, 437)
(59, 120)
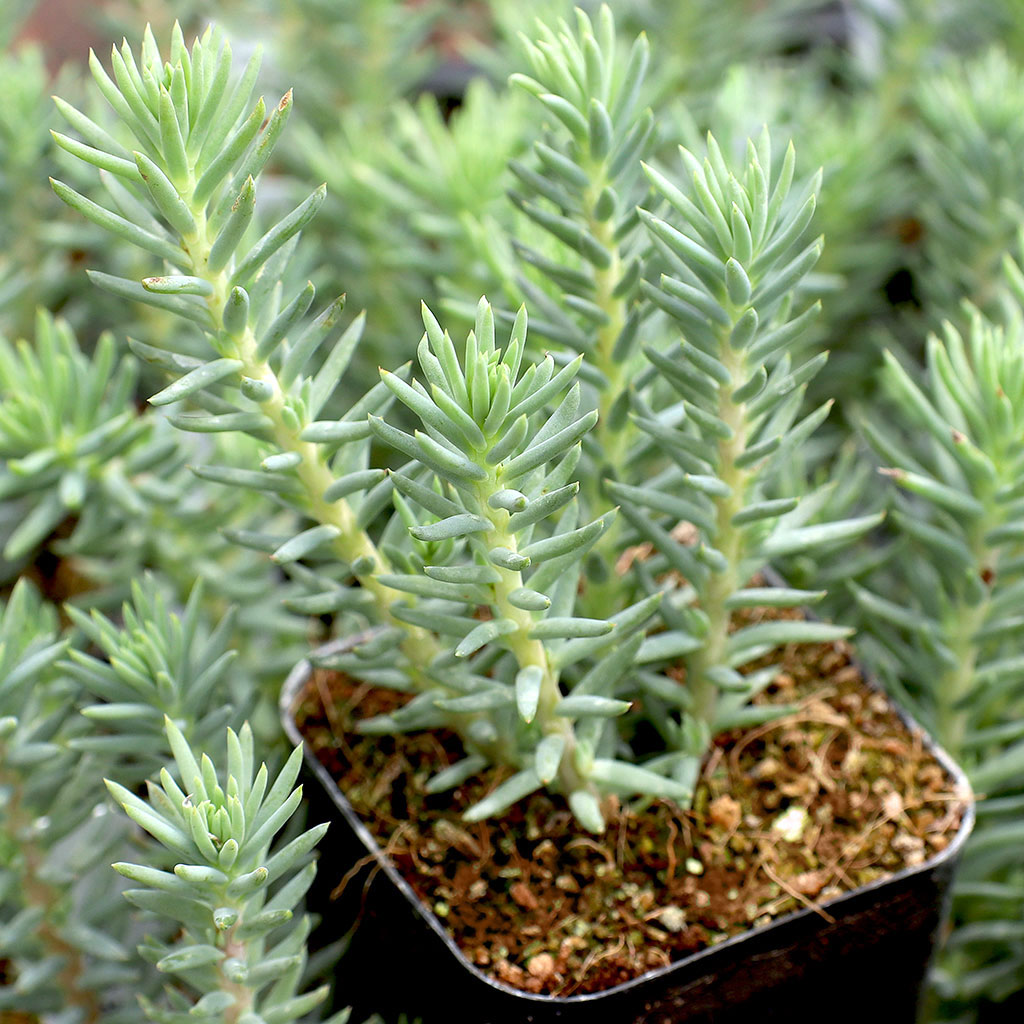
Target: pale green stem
(352, 542)
(728, 540)
(955, 685)
(602, 598)
(528, 651)
(419, 646)
(963, 623)
(613, 442)
(244, 996)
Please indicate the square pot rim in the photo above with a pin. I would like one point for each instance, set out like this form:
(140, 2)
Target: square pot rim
(300, 674)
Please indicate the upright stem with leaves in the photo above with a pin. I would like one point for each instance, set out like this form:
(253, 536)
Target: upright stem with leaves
(196, 166)
(234, 900)
(944, 629)
(735, 259)
(65, 931)
(200, 150)
(581, 192)
(504, 474)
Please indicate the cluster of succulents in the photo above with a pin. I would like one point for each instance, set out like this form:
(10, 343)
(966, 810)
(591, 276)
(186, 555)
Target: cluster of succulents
(667, 359)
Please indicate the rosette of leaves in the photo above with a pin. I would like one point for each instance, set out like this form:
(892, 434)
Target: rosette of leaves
(63, 927)
(723, 411)
(97, 491)
(858, 217)
(944, 625)
(189, 538)
(953, 457)
(451, 175)
(154, 664)
(257, 339)
(239, 953)
(502, 517)
(865, 194)
(76, 453)
(707, 37)
(40, 255)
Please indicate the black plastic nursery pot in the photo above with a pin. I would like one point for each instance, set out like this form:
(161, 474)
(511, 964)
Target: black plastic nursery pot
(865, 962)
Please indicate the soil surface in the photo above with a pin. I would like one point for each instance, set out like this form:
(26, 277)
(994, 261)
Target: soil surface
(789, 814)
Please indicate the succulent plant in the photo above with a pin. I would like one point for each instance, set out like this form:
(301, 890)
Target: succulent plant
(554, 516)
(475, 574)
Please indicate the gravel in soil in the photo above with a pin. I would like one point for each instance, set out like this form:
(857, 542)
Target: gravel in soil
(790, 814)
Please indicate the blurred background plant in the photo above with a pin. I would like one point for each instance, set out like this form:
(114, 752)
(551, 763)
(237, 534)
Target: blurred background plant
(912, 109)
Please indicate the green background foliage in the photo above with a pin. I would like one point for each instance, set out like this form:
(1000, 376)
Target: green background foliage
(664, 341)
